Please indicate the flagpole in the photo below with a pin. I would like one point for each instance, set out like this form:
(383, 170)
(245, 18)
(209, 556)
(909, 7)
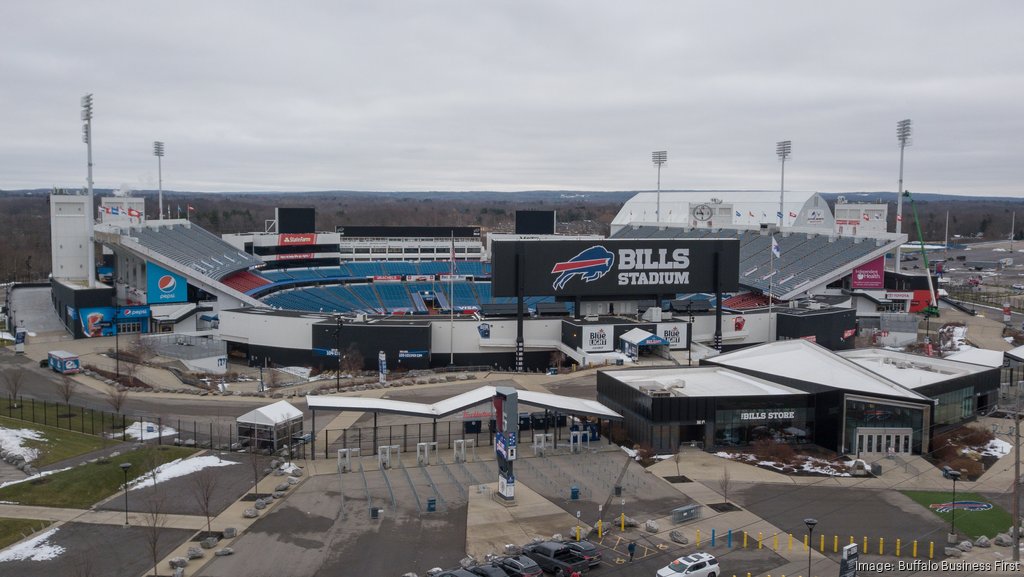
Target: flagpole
(451, 307)
(771, 281)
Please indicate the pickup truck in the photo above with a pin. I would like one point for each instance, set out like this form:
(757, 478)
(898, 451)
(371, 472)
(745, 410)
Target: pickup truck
(556, 558)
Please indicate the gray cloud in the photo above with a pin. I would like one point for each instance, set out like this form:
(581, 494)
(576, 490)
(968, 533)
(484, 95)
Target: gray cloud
(418, 95)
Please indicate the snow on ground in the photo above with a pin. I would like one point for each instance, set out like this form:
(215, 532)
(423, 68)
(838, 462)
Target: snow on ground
(145, 431)
(35, 549)
(290, 468)
(11, 441)
(177, 468)
(301, 372)
(32, 478)
(809, 465)
(997, 448)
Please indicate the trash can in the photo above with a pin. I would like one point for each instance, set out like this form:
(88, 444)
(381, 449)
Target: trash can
(574, 492)
(618, 490)
(431, 505)
(876, 469)
(374, 512)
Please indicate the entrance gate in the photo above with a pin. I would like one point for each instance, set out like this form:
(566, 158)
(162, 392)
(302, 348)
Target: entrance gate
(884, 441)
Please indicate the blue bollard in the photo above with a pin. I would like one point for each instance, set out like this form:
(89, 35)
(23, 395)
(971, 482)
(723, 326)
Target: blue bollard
(729, 539)
(712, 537)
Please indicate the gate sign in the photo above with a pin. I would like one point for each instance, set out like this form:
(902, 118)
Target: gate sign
(615, 267)
(164, 286)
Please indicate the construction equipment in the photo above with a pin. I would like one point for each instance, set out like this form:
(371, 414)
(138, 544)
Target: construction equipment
(932, 310)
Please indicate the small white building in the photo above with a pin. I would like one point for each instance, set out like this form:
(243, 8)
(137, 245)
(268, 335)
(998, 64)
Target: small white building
(271, 427)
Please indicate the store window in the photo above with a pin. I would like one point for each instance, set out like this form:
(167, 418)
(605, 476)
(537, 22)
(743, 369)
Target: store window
(779, 424)
(871, 415)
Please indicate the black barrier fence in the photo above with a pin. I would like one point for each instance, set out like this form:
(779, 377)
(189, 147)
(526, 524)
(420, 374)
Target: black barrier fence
(121, 426)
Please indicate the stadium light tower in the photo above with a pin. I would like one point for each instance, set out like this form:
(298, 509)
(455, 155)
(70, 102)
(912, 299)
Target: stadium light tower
(659, 157)
(90, 213)
(903, 131)
(158, 152)
(782, 149)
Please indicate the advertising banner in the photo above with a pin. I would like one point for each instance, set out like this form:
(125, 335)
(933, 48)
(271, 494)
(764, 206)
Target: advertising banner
(134, 312)
(597, 338)
(163, 286)
(302, 239)
(296, 256)
(616, 267)
(870, 275)
(675, 334)
(97, 322)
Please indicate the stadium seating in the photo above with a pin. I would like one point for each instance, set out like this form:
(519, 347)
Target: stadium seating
(193, 247)
(244, 281)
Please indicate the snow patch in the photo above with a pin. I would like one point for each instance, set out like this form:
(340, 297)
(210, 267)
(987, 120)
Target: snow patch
(11, 441)
(32, 477)
(35, 549)
(177, 468)
(145, 431)
(289, 468)
(997, 448)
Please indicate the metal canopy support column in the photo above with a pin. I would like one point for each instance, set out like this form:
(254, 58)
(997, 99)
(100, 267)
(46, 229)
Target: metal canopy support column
(718, 304)
(312, 438)
(520, 280)
(375, 428)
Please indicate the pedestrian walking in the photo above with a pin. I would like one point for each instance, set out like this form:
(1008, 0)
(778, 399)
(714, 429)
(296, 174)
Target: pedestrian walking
(632, 550)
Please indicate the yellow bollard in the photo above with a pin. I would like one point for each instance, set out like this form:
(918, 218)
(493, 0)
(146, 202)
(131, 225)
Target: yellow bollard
(745, 540)
(622, 520)
(806, 546)
(913, 550)
(821, 544)
(897, 547)
(865, 551)
(759, 537)
(775, 542)
(698, 537)
(835, 544)
(790, 541)
(881, 545)
(851, 539)
(577, 532)
(600, 529)
(931, 549)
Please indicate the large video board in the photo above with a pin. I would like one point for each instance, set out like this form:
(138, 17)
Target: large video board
(615, 267)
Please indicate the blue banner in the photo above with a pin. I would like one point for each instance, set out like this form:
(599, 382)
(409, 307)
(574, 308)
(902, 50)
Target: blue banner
(164, 286)
(97, 322)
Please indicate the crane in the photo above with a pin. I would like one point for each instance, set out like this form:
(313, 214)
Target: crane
(932, 310)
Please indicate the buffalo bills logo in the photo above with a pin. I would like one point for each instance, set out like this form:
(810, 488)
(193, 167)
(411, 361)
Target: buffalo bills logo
(961, 506)
(590, 265)
(166, 283)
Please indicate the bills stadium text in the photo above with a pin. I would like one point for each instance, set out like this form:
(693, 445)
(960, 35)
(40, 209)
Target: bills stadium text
(653, 266)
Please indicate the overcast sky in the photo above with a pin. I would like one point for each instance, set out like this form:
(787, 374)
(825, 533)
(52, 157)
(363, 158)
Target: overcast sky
(514, 95)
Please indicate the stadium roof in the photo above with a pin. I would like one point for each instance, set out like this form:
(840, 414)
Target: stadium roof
(457, 403)
(702, 382)
(806, 259)
(805, 361)
(754, 207)
(913, 371)
(193, 247)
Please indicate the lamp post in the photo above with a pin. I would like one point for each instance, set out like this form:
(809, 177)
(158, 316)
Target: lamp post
(903, 131)
(689, 335)
(158, 152)
(337, 349)
(659, 157)
(955, 475)
(782, 149)
(810, 522)
(125, 467)
(90, 211)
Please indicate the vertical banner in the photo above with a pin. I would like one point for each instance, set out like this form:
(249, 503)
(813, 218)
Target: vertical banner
(382, 367)
(870, 275)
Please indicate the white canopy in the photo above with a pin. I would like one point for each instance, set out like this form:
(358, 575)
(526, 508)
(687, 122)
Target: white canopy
(451, 405)
(638, 336)
(279, 412)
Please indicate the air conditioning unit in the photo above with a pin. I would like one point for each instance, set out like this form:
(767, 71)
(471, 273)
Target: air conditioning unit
(660, 393)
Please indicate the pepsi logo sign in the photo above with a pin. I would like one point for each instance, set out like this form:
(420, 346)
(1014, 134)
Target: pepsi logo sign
(166, 283)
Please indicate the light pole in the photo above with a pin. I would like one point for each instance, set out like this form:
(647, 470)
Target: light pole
(782, 149)
(659, 157)
(955, 475)
(689, 335)
(810, 522)
(90, 213)
(337, 349)
(158, 152)
(125, 467)
(903, 135)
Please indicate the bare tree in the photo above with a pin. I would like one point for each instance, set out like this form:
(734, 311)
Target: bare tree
(352, 359)
(254, 453)
(66, 388)
(203, 484)
(723, 483)
(116, 398)
(155, 519)
(13, 380)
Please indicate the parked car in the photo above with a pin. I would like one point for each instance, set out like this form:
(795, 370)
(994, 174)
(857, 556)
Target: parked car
(587, 551)
(556, 558)
(520, 566)
(492, 570)
(695, 565)
(456, 573)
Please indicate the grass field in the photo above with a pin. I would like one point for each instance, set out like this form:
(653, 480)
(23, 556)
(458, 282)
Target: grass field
(85, 485)
(61, 416)
(60, 444)
(971, 523)
(14, 530)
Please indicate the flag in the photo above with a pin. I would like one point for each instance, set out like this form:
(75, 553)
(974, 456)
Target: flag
(115, 210)
(191, 208)
(738, 213)
(775, 248)
(133, 212)
(778, 215)
(792, 214)
(866, 217)
(899, 218)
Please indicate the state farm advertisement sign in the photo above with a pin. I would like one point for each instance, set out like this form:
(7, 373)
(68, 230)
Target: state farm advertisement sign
(870, 275)
(296, 239)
